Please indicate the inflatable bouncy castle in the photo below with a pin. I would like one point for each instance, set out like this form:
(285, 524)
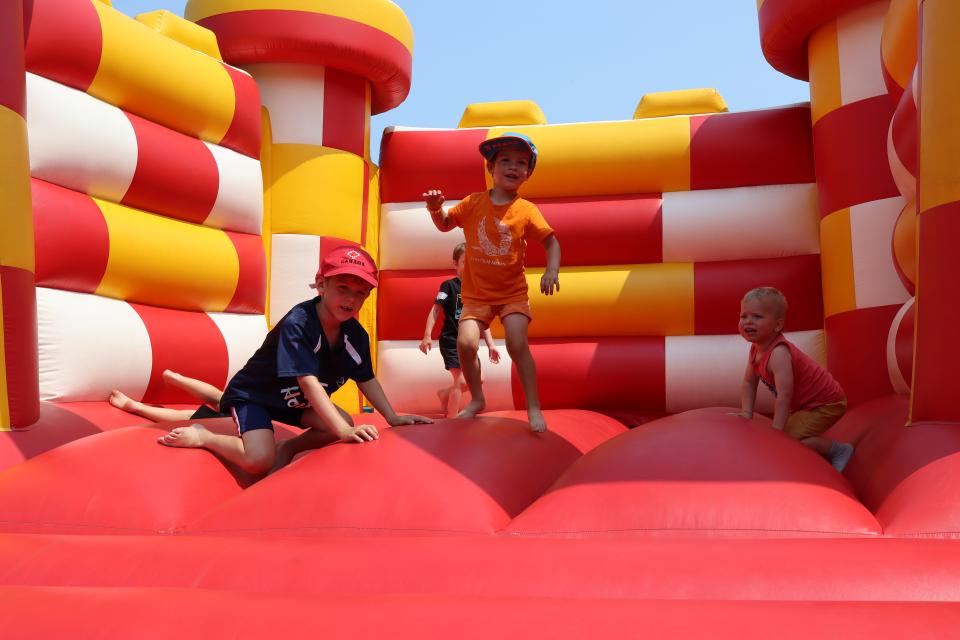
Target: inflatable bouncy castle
(170, 185)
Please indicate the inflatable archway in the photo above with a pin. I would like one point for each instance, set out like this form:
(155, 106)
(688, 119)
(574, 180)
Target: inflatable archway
(170, 185)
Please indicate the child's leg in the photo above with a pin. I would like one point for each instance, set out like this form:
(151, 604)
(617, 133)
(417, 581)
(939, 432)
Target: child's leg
(455, 393)
(518, 346)
(158, 414)
(808, 427)
(254, 451)
(202, 391)
(468, 343)
(316, 435)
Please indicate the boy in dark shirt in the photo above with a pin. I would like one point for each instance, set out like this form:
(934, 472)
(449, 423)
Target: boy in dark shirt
(448, 301)
(311, 353)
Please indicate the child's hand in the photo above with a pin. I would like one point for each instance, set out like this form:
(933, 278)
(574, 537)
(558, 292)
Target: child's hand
(425, 345)
(548, 281)
(434, 199)
(743, 414)
(396, 421)
(361, 433)
(494, 355)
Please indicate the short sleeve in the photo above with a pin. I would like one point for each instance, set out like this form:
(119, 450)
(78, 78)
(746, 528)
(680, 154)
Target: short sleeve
(444, 293)
(537, 227)
(295, 356)
(461, 210)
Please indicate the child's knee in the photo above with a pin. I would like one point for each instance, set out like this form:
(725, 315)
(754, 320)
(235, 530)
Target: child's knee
(466, 346)
(518, 347)
(260, 461)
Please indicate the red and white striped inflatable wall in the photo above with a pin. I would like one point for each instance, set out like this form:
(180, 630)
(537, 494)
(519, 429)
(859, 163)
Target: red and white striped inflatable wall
(147, 203)
(665, 223)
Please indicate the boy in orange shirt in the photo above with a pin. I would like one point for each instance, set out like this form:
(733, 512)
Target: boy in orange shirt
(497, 225)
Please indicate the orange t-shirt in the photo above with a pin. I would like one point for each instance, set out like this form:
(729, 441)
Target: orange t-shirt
(496, 237)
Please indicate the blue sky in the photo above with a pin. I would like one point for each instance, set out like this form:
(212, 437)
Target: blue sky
(577, 64)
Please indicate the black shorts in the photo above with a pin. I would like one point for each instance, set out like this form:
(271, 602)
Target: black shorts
(448, 349)
(249, 417)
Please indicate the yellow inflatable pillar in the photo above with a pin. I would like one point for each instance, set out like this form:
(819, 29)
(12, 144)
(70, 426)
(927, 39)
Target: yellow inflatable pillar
(323, 68)
(19, 379)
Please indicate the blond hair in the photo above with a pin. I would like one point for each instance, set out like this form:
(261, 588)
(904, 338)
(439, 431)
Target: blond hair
(459, 250)
(770, 296)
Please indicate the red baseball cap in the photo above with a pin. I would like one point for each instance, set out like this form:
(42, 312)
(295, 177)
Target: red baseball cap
(349, 260)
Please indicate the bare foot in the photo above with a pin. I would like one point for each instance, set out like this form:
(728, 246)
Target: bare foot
(474, 407)
(537, 422)
(122, 401)
(191, 437)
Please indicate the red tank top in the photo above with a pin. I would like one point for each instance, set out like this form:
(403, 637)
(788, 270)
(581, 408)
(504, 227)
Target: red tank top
(813, 386)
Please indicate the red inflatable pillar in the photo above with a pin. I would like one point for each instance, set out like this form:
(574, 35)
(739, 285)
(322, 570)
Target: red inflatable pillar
(19, 378)
(938, 308)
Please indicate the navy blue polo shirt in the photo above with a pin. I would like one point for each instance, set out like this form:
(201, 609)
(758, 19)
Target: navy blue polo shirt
(298, 347)
(448, 297)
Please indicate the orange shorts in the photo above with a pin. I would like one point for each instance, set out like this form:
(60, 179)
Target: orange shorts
(806, 424)
(485, 313)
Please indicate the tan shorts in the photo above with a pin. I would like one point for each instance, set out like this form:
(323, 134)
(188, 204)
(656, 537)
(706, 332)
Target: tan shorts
(485, 313)
(806, 424)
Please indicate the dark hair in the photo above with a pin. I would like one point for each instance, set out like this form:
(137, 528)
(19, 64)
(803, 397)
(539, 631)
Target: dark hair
(459, 250)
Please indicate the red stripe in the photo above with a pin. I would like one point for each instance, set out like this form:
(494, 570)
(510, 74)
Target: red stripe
(772, 146)
(850, 147)
(413, 161)
(248, 37)
(176, 174)
(405, 298)
(599, 373)
(20, 345)
(719, 287)
(785, 26)
(245, 130)
(603, 230)
(184, 341)
(63, 40)
(250, 295)
(857, 351)
(344, 111)
(938, 315)
(12, 65)
(71, 237)
(905, 125)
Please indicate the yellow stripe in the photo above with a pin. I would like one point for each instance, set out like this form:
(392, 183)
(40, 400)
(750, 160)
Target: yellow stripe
(379, 14)
(631, 300)
(836, 260)
(183, 31)
(898, 46)
(824, 61)
(939, 126)
(162, 80)
(601, 158)
(167, 263)
(5, 424)
(265, 230)
(502, 113)
(16, 224)
(681, 102)
(316, 191)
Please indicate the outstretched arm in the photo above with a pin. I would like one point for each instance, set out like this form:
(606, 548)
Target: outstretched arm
(781, 366)
(491, 346)
(374, 393)
(331, 418)
(434, 200)
(748, 392)
(427, 341)
(551, 277)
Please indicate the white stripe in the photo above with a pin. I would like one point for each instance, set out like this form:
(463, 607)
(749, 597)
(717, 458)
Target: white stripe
(293, 95)
(906, 182)
(707, 371)
(409, 240)
(858, 46)
(900, 384)
(239, 204)
(411, 379)
(741, 223)
(351, 350)
(89, 345)
(243, 335)
(79, 142)
(319, 346)
(875, 277)
(294, 261)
